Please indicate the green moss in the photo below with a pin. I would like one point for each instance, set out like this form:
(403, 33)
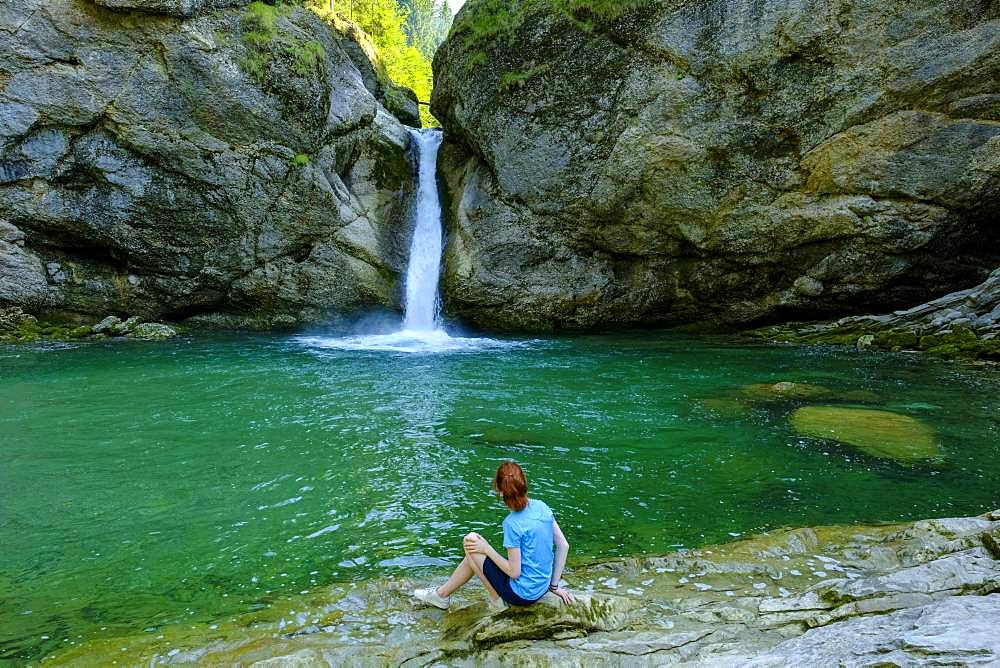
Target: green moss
(896, 339)
(80, 332)
(262, 15)
(26, 327)
(929, 341)
(309, 57)
(512, 80)
(491, 23)
(395, 101)
(264, 43)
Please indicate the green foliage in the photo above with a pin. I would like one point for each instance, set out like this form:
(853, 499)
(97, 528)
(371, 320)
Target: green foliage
(264, 42)
(300, 160)
(489, 23)
(406, 33)
(427, 24)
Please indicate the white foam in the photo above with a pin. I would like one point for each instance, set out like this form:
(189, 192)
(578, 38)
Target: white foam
(408, 342)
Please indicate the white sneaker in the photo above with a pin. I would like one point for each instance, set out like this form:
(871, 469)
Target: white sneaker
(431, 597)
(497, 606)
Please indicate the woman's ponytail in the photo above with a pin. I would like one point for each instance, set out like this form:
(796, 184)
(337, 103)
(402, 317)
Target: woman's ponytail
(511, 485)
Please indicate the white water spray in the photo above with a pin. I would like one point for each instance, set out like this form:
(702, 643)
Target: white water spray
(424, 270)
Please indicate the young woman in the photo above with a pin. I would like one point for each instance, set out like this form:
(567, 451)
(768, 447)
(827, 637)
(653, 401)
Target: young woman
(530, 568)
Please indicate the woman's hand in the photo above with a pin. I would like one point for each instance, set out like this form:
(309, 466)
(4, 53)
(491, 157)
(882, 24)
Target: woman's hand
(564, 594)
(475, 544)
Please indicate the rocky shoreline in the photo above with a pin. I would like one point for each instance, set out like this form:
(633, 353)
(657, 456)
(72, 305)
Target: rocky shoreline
(921, 593)
(16, 326)
(960, 325)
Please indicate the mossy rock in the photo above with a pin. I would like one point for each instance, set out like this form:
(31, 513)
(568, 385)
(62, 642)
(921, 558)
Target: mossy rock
(881, 434)
(80, 332)
(896, 339)
(785, 390)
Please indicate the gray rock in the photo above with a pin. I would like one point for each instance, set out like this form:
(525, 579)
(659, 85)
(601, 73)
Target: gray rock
(10, 234)
(107, 325)
(23, 277)
(12, 316)
(172, 168)
(694, 161)
(961, 322)
(955, 631)
(153, 331)
(183, 8)
(548, 617)
(125, 327)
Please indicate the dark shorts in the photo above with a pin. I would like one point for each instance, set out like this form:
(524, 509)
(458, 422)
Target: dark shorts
(501, 582)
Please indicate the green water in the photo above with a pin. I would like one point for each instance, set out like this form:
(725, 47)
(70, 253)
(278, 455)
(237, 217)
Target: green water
(152, 484)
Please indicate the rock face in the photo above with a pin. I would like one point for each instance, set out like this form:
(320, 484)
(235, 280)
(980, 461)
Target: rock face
(926, 593)
(180, 158)
(717, 161)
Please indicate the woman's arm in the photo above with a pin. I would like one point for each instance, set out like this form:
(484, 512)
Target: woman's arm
(559, 562)
(511, 565)
(562, 550)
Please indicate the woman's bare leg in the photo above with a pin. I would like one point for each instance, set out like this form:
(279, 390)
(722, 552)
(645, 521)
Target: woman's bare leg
(461, 575)
(476, 561)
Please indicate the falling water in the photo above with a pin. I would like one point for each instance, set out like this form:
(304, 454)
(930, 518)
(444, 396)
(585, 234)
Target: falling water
(422, 275)
(421, 331)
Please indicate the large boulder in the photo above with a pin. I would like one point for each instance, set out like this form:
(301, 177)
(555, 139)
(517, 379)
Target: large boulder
(716, 161)
(232, 165)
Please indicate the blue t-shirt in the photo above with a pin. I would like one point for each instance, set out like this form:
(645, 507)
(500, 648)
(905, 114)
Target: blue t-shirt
(531, 531)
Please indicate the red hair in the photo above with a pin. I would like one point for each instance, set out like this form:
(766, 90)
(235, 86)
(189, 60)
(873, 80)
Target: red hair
(511, 485)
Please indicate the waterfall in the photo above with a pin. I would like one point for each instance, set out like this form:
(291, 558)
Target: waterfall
(424, 270)
(421, 331)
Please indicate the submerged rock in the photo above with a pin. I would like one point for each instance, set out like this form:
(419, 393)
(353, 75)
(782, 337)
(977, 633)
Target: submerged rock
(785, 390)
(715, 161)
(881, 434)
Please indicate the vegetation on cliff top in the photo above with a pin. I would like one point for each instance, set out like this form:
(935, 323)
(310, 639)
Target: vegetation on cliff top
(406, 33)
(487, 23)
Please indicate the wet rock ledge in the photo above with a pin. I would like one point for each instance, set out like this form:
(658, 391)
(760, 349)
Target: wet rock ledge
(925, 593)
